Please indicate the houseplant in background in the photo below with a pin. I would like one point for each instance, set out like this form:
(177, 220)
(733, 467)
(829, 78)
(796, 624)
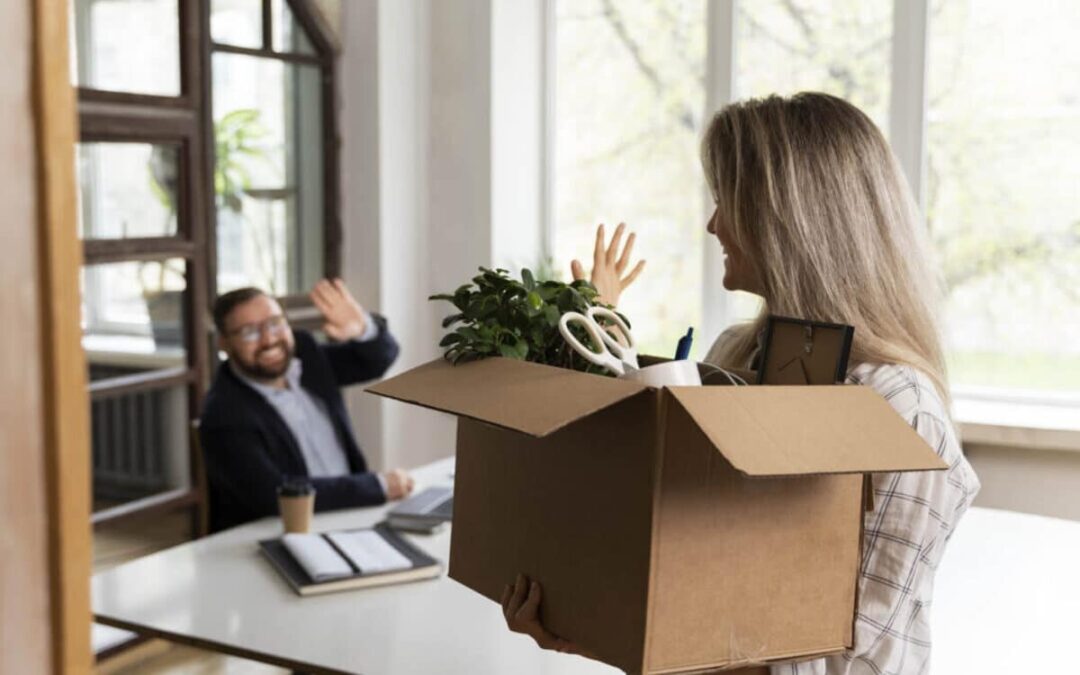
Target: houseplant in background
(240, 139)
(163, 287)
(163, 281)
(497, 315)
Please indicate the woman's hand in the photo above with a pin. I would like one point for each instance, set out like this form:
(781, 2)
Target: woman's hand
(521, 607)
(609, 264)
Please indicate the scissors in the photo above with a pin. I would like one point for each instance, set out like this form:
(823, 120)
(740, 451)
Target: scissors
(619, 356)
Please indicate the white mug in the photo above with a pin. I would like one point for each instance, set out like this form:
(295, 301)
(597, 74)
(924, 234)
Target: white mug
(682, 373)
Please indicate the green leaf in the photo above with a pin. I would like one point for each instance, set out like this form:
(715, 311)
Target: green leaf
(452, 319)
(450, 339)
(552, 315)
(527, 278)
(534, 299)
(475, 308)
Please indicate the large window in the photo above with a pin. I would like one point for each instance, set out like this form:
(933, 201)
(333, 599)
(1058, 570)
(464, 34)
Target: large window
(841, 47)
(206, 162)
(1003, 123)
(145, 61)
(269, 133)
(629, 106)
(786, 47)
(998, 138)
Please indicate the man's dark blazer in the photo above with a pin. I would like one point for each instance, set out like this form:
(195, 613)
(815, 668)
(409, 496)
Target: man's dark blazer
(248, 448)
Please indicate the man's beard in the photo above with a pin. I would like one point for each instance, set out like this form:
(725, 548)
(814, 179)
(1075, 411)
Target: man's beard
(256, 371)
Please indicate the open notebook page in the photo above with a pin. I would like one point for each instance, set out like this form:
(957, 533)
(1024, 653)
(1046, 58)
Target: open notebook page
(369, 551)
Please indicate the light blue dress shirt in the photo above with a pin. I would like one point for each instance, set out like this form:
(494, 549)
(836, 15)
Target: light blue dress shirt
(307, 417)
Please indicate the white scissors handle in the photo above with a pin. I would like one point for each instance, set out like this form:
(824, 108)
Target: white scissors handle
(601, 357)
(627, 353)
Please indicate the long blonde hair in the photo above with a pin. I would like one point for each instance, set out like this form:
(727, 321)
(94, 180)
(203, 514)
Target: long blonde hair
(814, 197)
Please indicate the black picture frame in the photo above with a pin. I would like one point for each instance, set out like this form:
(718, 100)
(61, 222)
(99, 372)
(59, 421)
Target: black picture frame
(828, 346)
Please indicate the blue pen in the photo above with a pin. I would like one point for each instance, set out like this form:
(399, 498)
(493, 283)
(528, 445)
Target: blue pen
(682, 351)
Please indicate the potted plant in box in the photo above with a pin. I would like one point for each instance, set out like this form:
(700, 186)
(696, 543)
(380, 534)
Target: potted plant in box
(497, 315)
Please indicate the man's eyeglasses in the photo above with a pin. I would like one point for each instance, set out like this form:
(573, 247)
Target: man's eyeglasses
(273, 327)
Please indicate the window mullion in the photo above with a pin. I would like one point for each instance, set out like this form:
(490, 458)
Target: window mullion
(907, 107)
(549, 64)
(267, 26)
(719, 91)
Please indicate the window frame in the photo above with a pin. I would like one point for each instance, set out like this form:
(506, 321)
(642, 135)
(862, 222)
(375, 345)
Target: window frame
(186, 120)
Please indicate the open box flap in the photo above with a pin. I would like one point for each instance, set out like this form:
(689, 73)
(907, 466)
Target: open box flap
(528, 397)
(786, 431)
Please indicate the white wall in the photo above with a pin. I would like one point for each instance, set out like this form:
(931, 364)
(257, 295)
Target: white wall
(517, 124)
(428, 196)
(1045, 482)
(385, 205)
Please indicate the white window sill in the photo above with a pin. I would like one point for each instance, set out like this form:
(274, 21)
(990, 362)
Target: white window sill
(1018, 423)
(134, 351)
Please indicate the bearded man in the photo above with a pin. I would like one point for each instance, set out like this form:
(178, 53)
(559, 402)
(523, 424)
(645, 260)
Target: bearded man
(275, 409)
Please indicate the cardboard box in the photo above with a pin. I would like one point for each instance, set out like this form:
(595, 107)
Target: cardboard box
(673, 530)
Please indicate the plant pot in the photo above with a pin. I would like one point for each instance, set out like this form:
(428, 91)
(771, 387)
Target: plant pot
(166, 317)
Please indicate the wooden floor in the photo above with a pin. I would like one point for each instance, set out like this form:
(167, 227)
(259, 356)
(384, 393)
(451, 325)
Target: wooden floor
(158, 656)
(118, 544)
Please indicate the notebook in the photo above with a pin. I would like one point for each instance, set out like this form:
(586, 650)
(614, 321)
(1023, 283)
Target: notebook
(347, 559)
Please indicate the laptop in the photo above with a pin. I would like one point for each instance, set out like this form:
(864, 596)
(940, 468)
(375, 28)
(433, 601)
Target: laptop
(427, 511)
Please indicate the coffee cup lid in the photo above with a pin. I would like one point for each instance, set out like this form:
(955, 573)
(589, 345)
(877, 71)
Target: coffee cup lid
(296, 486)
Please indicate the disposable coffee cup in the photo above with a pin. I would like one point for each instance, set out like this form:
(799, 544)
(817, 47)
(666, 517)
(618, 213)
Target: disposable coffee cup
(681, 373)
(296, 501)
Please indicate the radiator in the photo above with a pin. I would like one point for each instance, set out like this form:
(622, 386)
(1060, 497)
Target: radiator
(139, 444)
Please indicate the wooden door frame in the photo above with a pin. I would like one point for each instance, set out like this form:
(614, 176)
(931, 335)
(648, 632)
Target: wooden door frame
(65, 413)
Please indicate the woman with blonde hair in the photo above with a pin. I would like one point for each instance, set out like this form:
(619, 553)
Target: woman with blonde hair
(815, 217)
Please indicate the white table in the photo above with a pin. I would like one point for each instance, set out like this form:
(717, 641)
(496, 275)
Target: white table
(218, 593)
(1005, 599)
(1007, 595)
